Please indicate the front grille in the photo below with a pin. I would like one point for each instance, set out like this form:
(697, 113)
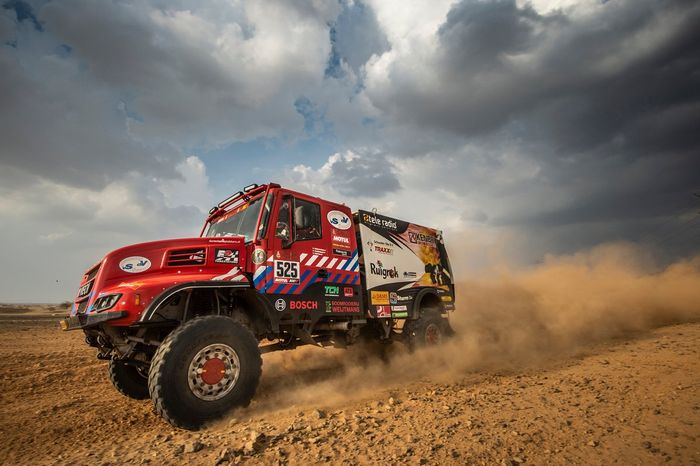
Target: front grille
(192, 256)
(92, 273)
(82, 306)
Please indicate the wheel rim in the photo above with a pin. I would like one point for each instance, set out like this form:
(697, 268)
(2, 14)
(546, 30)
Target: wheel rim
(213, 372)
(433, 335)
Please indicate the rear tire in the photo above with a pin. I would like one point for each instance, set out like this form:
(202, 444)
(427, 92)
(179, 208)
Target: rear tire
(128, 380)
(202, 370)
(430, 329)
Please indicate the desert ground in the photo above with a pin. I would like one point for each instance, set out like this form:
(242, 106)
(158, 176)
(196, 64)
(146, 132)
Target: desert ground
(629, 399)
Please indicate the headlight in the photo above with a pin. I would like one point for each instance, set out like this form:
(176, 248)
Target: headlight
(106, 302)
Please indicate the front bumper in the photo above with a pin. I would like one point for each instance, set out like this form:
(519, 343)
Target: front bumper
(90, 320)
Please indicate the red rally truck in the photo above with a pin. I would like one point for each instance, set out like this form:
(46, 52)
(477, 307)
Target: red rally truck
(182, 321)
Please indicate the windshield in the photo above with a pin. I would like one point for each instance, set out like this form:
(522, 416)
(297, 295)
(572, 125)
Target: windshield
(238, 222)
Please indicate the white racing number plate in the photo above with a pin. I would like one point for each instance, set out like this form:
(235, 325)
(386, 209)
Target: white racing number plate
(286, 272)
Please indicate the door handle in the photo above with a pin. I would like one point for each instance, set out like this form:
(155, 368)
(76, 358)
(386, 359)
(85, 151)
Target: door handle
(323, 273)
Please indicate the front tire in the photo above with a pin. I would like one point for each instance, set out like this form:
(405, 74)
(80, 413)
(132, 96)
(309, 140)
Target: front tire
(128, 380)
(202, 370)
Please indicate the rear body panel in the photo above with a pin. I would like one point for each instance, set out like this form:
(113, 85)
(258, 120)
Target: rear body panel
(401, 259)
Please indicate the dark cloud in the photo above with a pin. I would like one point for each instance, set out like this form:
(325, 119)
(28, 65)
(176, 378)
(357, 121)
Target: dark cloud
(73, 134)
(23, 12)
(355, 36)
(368, 176)
(603, 105)
(479, 35)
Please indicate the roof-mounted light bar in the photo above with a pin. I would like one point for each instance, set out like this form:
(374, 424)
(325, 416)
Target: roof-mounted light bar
(250, 187)
(230, 199)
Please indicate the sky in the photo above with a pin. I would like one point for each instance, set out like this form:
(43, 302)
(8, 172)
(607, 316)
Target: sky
(520, 128)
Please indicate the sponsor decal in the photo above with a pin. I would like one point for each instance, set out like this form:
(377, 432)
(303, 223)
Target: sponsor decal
(341, 239)
(385, 223)
(85, 289)
(420, 238)
(226, 256)
(380, 247)
(303, 305)
(135, 264)
(132, 285)
(341, 252)
(338, 220)
(446, 298)
(379, 297)
(399, 308)
(331, 290)
(348, 292)
(280, 305)
(286, 272)
(342, 306)
(225, 240)
(394, 298)
(259, 256)
(399, 315)
(318, 251)
(409, 275)
(379, 269)
(383, 311)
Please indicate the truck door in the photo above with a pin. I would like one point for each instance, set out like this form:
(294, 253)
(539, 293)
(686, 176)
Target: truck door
(312, 262)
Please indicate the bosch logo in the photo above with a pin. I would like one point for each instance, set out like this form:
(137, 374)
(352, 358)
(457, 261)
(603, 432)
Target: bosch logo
(303, 305)
(280, 305)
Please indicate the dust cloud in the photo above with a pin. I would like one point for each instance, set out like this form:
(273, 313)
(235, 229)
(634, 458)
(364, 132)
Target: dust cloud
(508, 320)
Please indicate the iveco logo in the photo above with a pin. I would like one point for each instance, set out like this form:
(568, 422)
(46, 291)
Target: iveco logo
(280, 305)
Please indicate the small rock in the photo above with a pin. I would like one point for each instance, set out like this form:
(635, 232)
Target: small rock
(593, 443)
(179, 449)
(194, 446)
(319, 414)
(392, 401)
(249, 448)
(647, 445)
(256, 437)
(224, 456)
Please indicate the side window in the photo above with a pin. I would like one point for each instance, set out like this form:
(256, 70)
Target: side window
(283, 227)
(307, 220)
